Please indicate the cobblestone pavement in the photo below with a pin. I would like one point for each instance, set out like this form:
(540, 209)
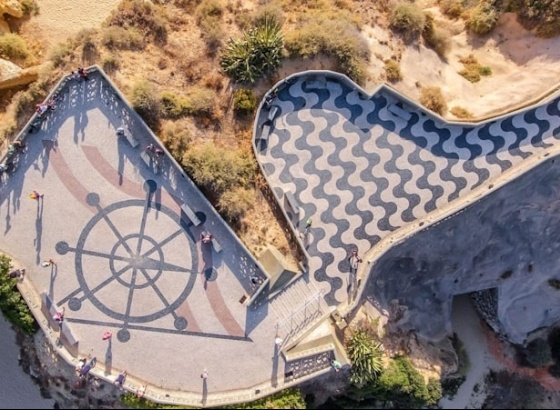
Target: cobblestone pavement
(360, 172)
(128, 259)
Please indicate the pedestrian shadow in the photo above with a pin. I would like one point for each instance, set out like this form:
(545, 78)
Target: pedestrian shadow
(8, 217)
(207, 263)
(275, 358)
(204, 391)
(120, 165)
(38, 229)
(54, 274)
(109, 357)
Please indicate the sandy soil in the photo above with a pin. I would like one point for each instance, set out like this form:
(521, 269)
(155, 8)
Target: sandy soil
(523, 66)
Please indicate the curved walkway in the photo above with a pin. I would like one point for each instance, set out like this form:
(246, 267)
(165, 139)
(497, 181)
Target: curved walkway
(363, 167)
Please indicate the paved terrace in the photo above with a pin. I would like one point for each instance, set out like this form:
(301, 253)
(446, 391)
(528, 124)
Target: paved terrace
(362, 167)
(129, 261)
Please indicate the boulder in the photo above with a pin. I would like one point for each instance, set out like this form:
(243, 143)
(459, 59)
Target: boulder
(12, 75)
(11, 7)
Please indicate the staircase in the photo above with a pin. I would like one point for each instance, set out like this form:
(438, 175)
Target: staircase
(298, 308)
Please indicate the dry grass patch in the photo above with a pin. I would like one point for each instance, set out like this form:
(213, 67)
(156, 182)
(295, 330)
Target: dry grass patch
(432, 98)
(393, 70)
(473, 69)
(461, 112)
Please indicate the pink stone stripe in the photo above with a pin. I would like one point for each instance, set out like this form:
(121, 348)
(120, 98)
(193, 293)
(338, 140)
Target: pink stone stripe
(221, 310)
(185, 310)
(66, 176)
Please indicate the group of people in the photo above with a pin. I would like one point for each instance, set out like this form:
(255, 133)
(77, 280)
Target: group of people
(80, 74)
(43, 107)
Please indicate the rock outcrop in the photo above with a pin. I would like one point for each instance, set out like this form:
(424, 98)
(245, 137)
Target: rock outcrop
(507, 242)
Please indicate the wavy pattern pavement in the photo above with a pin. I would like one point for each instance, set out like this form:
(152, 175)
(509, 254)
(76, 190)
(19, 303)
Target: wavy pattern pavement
(361, 172)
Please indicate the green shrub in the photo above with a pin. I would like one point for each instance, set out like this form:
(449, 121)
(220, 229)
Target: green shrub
(59, 54)
(12, 304)
(177, 139)
(401, 384)
(451, 8)
(199, 101)
(393, 70)
(29, 7)
(432, 98)
(256, 54)
(461, 112)
(335, 36)
(145, 102)
(217, 169)
(110, 64)
(13, 47)
(120, 38)
(541, 15)
(483, 19)
(235, 203)
(146, 17)
(436, 38)
(408, 18)
(244, 101)
(473, 70)
(434, 391)
(365, 354)
(285, 399)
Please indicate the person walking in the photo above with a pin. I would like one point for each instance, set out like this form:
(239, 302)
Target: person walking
(204, 375)
(48, 262)
(35, 195)
(107, 335)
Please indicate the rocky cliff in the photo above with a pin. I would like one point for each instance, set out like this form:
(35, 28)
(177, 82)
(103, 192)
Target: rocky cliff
(506, 245)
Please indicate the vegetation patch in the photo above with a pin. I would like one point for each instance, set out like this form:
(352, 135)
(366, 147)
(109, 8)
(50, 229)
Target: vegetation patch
(146, 103)
(452, 8)
(432, 98)
(461, 112)
(435, 38)
(482, 19)
(13, 47)
(364, 351)
(199, 101)
(209, 17)
(120, 38)
(536, 354)
(541, 15)
(335, 35)
(244, 101)
(256, 54)
(12, 304)
(473, 69)
(407, 19)
(393, 70)
(147, 18)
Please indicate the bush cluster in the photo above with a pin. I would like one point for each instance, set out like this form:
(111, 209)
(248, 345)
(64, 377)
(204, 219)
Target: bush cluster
(435, 37)
(364, 351)
(393, 70)
(451, 8)
(209, 17)
(408, 19)
(432, 98)
(336, 36)
(244, 101)
(120, 38)
(473, 69)
(176, 138)
(12, 304)
(461, 112)
(256, 54)
(199, 101)
(146, 17)
(146, 103)
(483, 19)
(542, 15)
(13, 47)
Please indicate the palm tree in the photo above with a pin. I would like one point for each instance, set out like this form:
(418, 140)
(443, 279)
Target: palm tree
(256, 54)
(365, 354)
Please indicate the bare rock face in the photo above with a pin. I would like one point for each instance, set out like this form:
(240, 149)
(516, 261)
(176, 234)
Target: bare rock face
(11, 7)
(11, 75)
(505, 247)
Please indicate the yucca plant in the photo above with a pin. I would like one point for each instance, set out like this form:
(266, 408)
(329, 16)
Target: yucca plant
(365, 354)
(257, 53)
